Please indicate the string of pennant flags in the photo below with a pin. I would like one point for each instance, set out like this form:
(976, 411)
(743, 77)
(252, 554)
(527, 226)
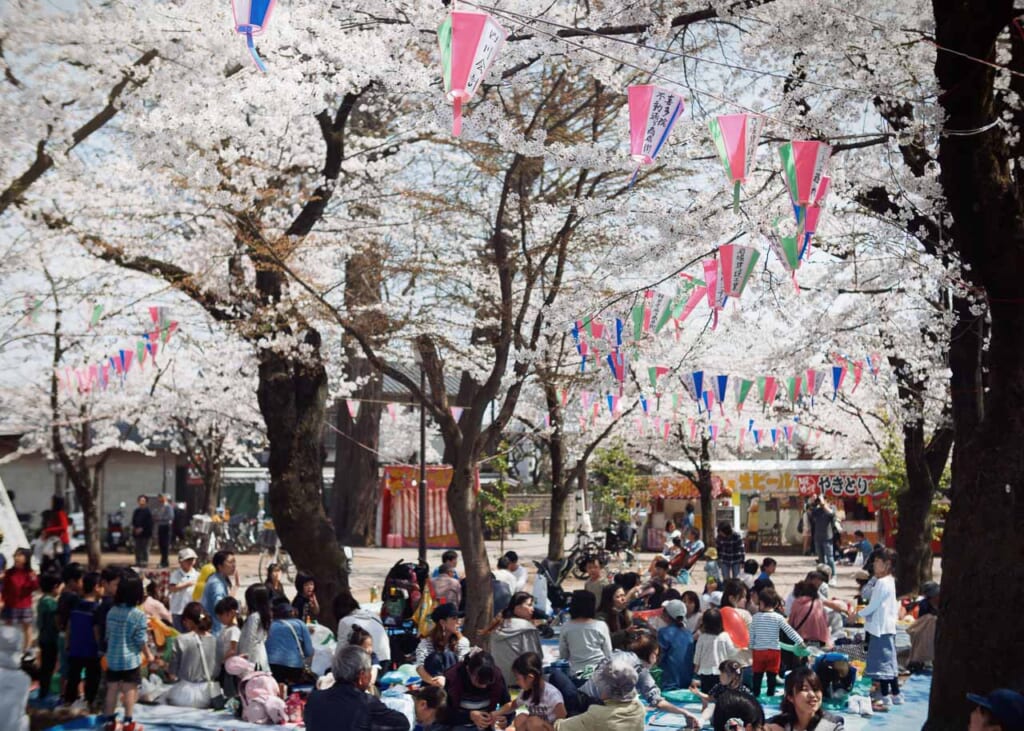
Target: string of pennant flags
(115, 368)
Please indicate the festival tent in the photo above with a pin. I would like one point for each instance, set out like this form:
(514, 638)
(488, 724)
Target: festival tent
(13, 533)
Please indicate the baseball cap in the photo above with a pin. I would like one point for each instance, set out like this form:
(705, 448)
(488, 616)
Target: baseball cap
(711, 553)
(445, 611)
(674, 608)
(185, 554)
(1005, 705)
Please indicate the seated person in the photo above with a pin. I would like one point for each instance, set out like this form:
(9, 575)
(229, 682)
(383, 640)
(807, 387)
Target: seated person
(801, 705)
(737, 711)
(1000, 710)
(730, 678)
(618, 709)
(447, 588)
(654, 588)
(475, 687)
(346, 704)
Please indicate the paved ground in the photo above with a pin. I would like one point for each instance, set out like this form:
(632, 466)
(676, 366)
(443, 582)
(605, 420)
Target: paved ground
(370, 565)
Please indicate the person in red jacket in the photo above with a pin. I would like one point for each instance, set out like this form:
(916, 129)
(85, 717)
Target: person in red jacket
(58, 526)
(19, 583)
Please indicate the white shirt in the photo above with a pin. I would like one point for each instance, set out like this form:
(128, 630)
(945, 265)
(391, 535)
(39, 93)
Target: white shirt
(224, 639)
(545, 706)
(881, 614)
(180, 598)
(521, 575)
(370, 622)
(507, 578)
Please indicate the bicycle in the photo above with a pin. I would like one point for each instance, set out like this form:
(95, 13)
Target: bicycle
(579, 553)
(271, 552)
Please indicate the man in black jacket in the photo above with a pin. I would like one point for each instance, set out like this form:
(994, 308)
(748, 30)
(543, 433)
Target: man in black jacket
(346, 706)
(142, 531)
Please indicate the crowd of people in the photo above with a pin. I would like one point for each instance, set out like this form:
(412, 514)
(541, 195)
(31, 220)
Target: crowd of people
(624, 642)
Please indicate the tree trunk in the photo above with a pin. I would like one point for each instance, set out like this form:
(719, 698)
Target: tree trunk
(211, 487)
(292, 395)
(465, 512)
(356, 464)
(91, 516)
(704, 488)
(561, 486)
(984, 535)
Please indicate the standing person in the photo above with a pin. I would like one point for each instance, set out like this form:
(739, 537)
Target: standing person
(689, 520)
(764, 640)
(110, 577)
(731, 553)
(142, 531)
(306, 606)
(57, 525)
(47, 631)
(227, 642)
(823, 522)
(517, 570)
(677, 648)
(83, 650)
(182, 580)
(880, 617)
(253, 641)
(714, 646)
(20, 581)
(289, 646)
(163, 517)
(273, 582)
(218, 585)
(126, 649)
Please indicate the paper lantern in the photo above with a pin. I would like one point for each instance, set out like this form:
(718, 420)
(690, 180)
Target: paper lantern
(469, 44)
(738, 264)
(811, 216)
(803, 168)
(251, 18)
(736, 138)
(787, 248)
(653, 110)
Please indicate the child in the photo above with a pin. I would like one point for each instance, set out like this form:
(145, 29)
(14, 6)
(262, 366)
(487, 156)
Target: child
(750, 569)
(109, 579)
(361, 638)
(711, 568)
(541, 698)
(252, 642)
(306, 606)
(652, 591)
(730, 677)
(768, 566)
(153, 607)
(710, 588)
(596, 579)
(713, 646)
(126, 650)
(836, 674)
(72, 575)
(880, 624)
(46, 626)
(20, 581)
(764, 640)
(192, 661)
(182, 580)
(83, 652)
(227, 641)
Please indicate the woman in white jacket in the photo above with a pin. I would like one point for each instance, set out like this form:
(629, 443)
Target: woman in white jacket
(880, 625)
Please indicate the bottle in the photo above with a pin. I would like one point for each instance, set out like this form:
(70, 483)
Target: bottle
(374, 593)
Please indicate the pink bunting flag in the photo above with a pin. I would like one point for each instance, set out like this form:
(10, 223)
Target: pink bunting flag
(585, 400)
(858, 369)
(565, 397)
(693, 430)
(666, 427)
(170, 331)
(456, 412)
(547, 421)
(353, 407)
(393, 411)
(743, 436)
(713, 429)
(771, 388)
(469, 44)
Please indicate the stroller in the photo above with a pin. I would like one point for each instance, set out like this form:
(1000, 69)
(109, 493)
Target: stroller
(553, 575)
(403, 589)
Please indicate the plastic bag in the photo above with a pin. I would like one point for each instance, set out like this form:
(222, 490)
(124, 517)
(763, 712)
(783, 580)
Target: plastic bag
(189, 695)
(153, 689)
(398, 700)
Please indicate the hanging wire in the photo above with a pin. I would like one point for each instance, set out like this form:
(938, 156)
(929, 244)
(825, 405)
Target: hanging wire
(679, 54)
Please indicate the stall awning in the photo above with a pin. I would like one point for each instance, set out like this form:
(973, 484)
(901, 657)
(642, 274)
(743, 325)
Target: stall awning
(680, 487)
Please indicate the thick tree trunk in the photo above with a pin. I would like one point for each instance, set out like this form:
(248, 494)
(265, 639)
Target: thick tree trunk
(977, 648)
(561, 485)
(468, 521)
(91, 515)
(356, 464)
(292, 396)
(704, 487)
(211, 487)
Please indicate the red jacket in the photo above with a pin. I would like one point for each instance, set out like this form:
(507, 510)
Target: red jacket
(18, 587)
(58, 526)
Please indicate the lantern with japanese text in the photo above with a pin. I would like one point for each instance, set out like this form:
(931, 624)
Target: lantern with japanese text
(653, 110)
(469, 44)
(736, 137)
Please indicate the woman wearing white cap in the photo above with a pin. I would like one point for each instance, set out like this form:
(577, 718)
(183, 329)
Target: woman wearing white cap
(182, 580)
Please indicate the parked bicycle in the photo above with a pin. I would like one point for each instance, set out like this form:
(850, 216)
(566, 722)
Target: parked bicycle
(579, 553)
(271, 552)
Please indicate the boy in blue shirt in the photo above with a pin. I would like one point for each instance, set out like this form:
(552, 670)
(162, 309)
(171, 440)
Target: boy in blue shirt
(83, 650)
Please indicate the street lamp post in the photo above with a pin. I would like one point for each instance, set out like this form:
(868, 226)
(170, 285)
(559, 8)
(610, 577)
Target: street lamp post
(423, 467)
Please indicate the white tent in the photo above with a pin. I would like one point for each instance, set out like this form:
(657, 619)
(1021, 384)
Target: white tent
(14, 535)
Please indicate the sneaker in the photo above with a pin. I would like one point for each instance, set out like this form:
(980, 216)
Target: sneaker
(132, 726)
(896, 700)
(879, 706)
(110, 725)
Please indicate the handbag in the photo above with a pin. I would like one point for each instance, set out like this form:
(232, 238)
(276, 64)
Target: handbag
(308, 676)
(217, 699)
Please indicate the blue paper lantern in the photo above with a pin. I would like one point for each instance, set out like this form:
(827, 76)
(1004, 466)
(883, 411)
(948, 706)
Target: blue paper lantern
(251, 18)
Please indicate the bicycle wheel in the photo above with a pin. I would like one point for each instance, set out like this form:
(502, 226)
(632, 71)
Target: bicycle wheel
(287, 567)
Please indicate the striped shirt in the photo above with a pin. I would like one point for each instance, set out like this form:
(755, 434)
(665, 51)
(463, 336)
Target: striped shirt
(764, 631)
(126, 636)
